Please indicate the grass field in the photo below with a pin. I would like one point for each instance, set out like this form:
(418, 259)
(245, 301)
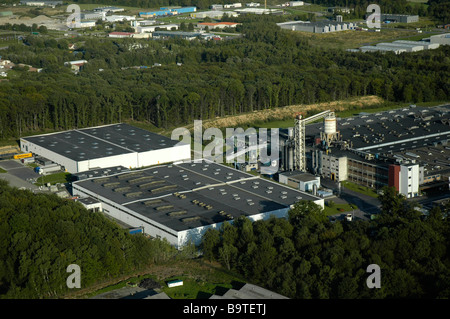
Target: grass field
(354, 39)
(338, 209)
(196, 289)
(60, 177)
(3, 171)
(307, 8)
(360, 189)
(201, 279)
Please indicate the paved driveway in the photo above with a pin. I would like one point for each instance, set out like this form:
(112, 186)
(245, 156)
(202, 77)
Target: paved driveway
(367, 205)
(17, 174)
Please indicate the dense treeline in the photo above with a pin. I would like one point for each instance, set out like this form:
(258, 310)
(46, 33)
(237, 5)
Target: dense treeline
(41, 235)
(266, 68)
(306, 256)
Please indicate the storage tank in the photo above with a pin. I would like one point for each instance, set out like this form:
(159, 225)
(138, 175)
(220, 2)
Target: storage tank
(330, 125)
(290, 132)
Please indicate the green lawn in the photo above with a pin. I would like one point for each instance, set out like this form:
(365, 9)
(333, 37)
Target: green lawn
(2, 170)
(200, 279)
(60, 177)
(360, 189)
(307, 8)
(339, 209)
(195, 289)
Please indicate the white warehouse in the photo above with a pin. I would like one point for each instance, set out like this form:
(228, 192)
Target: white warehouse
(106, 146)
(406, 46)
(180, 202)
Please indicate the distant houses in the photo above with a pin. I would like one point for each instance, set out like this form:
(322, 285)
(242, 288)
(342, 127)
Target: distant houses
(77, 65)
(218, 25)
(317, 27)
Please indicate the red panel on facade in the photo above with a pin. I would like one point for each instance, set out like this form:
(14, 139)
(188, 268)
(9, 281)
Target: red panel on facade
(394, 176)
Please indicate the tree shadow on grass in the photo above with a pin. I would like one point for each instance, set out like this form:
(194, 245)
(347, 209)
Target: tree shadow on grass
(203, 295)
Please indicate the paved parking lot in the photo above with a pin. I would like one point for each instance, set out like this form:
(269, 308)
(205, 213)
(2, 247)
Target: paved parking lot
(18, 175)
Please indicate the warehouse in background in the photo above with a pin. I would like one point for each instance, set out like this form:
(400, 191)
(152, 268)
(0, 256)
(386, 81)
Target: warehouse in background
(317, 27)
(401, 18)
(105, 146)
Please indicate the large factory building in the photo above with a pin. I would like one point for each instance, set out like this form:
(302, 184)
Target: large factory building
(406, 148)
(179, 202)
(105, 146)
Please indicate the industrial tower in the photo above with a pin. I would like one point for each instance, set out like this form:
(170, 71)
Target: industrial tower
(299, 134)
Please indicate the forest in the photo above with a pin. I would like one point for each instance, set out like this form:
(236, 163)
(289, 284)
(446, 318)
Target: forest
(267, 67)
(42, 234)
(307, 256)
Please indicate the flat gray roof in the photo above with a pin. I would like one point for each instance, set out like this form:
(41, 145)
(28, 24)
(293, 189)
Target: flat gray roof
(299, 176)
(393, 130)
(97, 172)
(88, 200)
(190, 195)
(250, 291)
(101, 141)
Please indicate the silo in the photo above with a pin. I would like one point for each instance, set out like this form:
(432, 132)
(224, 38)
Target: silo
(291, 133)
(330, 125)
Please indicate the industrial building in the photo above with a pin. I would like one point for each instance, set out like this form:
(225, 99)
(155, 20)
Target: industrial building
(41, 3)
(400, 46)
(232, 5)
(317, 27)
(152, 28)
(371, 48)
(142, 23)
(118, 34)
(177, 34)
(117, 18)
(259, 11)
(303, 181)
(340, 10)
(180, 201)
(409, 47)
(426, 45)
(109, 9)
(99, 172)
(442, 39)
(249, 291)
(93, 15)
(405, 148)
(402, 18)
(105, 146)
(213, 14)
(214, 25)
(216, 7)
(167, 12)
